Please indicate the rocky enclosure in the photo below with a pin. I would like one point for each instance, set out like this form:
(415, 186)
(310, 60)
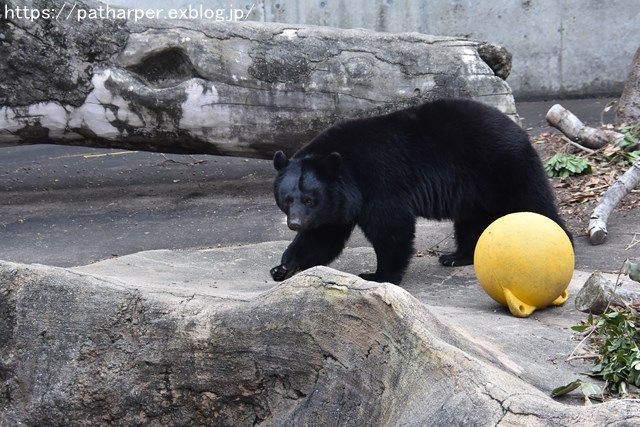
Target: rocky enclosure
(114, 344)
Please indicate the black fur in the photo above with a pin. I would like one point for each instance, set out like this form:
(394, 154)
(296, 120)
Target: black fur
(448, 159)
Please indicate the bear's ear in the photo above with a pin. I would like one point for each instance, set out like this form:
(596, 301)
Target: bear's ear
(332, 163)
(280, 160)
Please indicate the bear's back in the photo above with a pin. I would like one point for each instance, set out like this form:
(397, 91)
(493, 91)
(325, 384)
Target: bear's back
(436, 154)
(443, 131)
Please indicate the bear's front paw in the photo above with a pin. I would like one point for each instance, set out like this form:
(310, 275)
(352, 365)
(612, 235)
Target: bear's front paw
(375, 277)
(279, 273)
(371, 277)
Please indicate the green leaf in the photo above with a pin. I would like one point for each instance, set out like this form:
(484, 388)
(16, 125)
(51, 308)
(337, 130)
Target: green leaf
(617, 343)
(562, 390)
(630, 157)
(586, 388)
(589, 389)
(564, 165)
(634, 270)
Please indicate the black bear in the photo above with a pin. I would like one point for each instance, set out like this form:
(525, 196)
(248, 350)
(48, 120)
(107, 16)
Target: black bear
(448, 159)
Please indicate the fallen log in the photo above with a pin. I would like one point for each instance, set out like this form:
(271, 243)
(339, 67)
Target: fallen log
(597, 228)
(570, 125)
(598, 293)
(565, 121)
(228, 88)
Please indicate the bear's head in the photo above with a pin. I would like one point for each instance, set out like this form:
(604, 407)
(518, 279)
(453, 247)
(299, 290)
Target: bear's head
(315, 190)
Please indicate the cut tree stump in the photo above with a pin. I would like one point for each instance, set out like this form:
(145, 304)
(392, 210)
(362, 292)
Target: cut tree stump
(228, 88)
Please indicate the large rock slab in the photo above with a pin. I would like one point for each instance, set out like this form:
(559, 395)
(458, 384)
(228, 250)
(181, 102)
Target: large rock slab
(228, 88)
(171, 338)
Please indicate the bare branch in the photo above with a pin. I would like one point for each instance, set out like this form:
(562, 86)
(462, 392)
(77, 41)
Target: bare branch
(565, 121)
(597, 228)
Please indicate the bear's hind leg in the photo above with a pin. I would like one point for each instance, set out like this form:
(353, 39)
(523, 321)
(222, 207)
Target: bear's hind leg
(318, 246)
(467, 234)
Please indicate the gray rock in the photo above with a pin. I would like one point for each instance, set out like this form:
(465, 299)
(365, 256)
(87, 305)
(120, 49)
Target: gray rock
(168, 338)
(228, 88)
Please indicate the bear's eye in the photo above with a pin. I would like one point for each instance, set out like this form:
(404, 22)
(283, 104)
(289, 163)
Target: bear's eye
(306, 200)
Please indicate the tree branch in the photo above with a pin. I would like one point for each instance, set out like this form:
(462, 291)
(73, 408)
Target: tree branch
(598, 223)
(565, 121)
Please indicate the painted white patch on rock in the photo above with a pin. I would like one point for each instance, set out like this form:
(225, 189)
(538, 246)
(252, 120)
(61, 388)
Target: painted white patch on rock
(8, 126)
(200, 107)
(93, 114)
(129, 117)
(107, 114)
(289, 33)
(52, 116)
(102, 108)
(474, 64)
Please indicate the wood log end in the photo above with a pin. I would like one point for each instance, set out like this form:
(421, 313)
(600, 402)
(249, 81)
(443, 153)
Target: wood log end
(597, 236)
(553, 113)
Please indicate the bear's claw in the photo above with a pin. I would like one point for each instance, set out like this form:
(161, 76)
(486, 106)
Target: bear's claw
(279, 273)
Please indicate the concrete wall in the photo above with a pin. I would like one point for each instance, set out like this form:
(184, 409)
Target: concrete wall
(560, 47)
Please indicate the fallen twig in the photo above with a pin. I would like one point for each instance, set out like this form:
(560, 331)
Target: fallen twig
(578, 146)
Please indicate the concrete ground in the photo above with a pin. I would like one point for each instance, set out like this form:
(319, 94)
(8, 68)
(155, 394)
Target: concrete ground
(70, 206)
(67, 206)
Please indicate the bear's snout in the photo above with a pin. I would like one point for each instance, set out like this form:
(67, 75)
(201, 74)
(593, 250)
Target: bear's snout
(294, 224)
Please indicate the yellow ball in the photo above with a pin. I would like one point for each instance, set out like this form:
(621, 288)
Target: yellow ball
(524, 261)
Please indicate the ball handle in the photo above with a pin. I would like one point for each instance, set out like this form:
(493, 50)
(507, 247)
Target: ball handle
(562, 298)
(517, 307)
